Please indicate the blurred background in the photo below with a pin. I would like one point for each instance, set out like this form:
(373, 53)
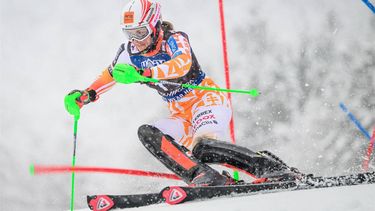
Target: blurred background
(304, 56)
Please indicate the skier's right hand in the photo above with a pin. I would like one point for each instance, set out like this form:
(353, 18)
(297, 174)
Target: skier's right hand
(72, 104)
(77, 98)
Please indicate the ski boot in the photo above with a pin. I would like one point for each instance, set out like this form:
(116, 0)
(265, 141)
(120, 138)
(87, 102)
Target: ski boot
(283, 175)
(210, 177)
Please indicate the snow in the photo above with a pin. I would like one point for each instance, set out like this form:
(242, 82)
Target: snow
(353, 198)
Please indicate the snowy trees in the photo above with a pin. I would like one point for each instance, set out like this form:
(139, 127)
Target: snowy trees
(302, 81)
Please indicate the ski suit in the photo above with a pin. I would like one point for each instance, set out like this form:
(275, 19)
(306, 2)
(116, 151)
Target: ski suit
(192, 112)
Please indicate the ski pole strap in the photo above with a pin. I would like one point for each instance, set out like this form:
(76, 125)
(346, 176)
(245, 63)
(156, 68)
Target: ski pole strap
(252, 92)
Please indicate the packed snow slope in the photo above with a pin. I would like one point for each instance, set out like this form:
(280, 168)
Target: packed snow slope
(353, 198)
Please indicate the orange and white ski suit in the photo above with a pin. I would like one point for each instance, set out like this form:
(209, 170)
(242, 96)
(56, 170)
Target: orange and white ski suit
(193, 112)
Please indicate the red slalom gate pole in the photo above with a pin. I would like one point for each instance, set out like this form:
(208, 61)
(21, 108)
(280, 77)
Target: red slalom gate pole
(370, 148)
(226, 65)
(227, 75)
(40, 169)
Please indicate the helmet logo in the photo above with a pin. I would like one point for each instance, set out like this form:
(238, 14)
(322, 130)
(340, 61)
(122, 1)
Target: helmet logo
(129, 17)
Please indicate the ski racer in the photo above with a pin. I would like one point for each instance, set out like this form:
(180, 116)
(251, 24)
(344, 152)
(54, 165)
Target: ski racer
(189, 138)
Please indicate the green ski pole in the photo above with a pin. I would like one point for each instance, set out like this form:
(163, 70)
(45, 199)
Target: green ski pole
(72, 107)
(252, 92)
(74, 161)
(127, 74)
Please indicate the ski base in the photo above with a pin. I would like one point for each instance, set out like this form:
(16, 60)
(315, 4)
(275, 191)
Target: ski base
(180, 194)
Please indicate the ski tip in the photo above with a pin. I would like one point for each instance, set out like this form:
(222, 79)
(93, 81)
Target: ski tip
(100, 202)
(32, 169)
(174, 195)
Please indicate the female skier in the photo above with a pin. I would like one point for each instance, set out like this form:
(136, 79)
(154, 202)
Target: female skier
(155, 55)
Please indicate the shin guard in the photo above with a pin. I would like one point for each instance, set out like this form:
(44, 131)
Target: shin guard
(218, 152)
(171, 154)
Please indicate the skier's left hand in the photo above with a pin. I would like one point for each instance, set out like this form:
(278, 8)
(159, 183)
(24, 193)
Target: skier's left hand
(127, 74)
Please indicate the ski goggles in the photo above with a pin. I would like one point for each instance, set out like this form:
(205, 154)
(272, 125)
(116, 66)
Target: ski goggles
(139, 34)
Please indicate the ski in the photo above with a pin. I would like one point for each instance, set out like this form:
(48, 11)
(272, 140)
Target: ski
(180, 194)
(107, 202)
